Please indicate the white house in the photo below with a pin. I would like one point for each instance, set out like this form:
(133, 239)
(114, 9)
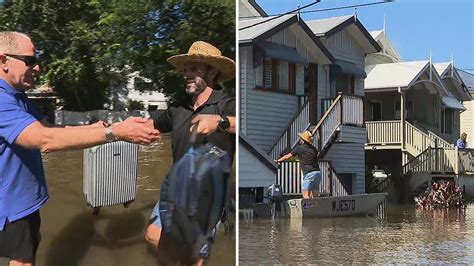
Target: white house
(276, 57)
(341, 123)
(412, 113)
(295, 76)
(467, 117)
(121, 96)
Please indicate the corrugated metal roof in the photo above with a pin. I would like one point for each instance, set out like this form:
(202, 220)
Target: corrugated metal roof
(467, 78)
(441, 67)
(253, 32)
(321, 26)
(376, 33)
(393, 75)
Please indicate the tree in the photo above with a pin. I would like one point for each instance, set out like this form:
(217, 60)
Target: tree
(87, 45)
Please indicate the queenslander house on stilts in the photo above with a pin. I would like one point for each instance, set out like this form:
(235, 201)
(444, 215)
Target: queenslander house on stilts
(296, 76)
(412, 116)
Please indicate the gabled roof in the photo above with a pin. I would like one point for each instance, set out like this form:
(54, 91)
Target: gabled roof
(258, 8)
(442, 68)
(467, 78)
(250, 9)
(376, 34)
(387, 47)
(249, 34)
(447, 71)
(271, 25)
(261, 156)
(329, 26)
(400, 75)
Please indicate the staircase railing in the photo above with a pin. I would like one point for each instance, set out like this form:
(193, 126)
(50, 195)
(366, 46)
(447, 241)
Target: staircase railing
(440, 160)
(420, 164)
(289, 137)
(290, 179)
(417, 141)
(344, 110)
(440, 141)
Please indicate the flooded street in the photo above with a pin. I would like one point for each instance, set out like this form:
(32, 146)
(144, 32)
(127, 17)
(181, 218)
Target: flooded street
(406, 235)
(71, 235)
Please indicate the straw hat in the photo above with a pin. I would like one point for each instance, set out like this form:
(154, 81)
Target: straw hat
(306, 136)
(203, 52)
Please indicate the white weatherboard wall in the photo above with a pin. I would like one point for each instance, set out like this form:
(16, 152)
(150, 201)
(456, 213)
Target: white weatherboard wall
(252, 172)
(353, 134)
(344, 47)
(349, 158)
(267, 116)
(467, 121)
(323, 86)
(247, 80)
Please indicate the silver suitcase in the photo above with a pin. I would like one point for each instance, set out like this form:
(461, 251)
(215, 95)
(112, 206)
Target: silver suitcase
(110, 174)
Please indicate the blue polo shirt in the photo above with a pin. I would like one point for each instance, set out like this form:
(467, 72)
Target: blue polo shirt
(22, 183)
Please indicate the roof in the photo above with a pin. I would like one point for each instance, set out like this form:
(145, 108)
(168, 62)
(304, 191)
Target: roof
(467, 78)
(441, 67)
(376, 33)
(322, 26)
(258, 30)
(258, 8)
(261, 156)
(271, 25)
(329, 26)
(401, 74)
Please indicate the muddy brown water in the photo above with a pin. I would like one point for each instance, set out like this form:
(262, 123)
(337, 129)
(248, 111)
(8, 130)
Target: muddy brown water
(71, 235)
(406, 235)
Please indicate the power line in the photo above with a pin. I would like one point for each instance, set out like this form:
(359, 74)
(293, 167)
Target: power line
(344, 7)
(281, 15)
(324, 9)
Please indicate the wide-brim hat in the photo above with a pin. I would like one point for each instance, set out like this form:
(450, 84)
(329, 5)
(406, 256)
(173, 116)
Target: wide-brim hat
(203, 52)
(306, 136)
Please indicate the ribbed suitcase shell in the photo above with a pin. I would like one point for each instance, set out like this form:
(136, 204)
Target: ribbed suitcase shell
(110, 173)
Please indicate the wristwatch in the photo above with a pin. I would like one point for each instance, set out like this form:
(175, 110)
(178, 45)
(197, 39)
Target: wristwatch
(224, 123)
(109, 135)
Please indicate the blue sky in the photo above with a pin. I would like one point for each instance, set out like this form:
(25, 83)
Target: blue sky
(413, 26)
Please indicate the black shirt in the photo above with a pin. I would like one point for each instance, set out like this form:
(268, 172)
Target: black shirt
(177, 120)
(308, 156)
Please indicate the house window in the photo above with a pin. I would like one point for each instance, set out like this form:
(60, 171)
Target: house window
(447, 118)
(279, 75)
(345, 84)
(376, 110)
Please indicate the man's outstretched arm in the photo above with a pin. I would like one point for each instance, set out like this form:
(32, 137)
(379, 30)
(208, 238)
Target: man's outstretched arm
(46, 139)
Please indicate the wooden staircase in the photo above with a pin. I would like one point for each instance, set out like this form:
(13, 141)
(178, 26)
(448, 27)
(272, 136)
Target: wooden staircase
(344, 110)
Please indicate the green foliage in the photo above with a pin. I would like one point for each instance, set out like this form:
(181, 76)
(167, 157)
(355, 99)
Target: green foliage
(87, 45)
(135, 105)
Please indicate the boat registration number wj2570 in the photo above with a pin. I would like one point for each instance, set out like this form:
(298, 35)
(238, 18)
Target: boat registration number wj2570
(343, 205)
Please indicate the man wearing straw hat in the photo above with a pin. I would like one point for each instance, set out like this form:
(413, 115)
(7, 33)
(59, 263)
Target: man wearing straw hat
(308, 156)
(209, 112)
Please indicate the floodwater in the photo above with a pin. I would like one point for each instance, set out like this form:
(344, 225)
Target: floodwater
(406, 235)
(71, 235)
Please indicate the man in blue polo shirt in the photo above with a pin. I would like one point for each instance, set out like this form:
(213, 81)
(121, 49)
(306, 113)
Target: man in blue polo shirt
(23, 135)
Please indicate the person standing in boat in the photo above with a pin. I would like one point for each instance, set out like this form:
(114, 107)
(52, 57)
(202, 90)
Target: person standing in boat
(308, 157)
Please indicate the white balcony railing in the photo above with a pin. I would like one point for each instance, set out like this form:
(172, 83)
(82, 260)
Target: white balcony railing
(290, 179)
(387, 132)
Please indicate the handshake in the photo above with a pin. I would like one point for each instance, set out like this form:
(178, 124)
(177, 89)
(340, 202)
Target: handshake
(142, 130)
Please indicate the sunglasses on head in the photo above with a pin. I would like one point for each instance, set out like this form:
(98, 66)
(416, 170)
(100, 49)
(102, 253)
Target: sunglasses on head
(29, 60)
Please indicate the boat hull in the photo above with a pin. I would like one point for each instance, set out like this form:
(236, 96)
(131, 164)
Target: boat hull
(361, 204)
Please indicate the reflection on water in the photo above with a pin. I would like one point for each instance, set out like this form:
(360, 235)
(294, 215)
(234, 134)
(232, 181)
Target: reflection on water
(406, 235)
(71, 235)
